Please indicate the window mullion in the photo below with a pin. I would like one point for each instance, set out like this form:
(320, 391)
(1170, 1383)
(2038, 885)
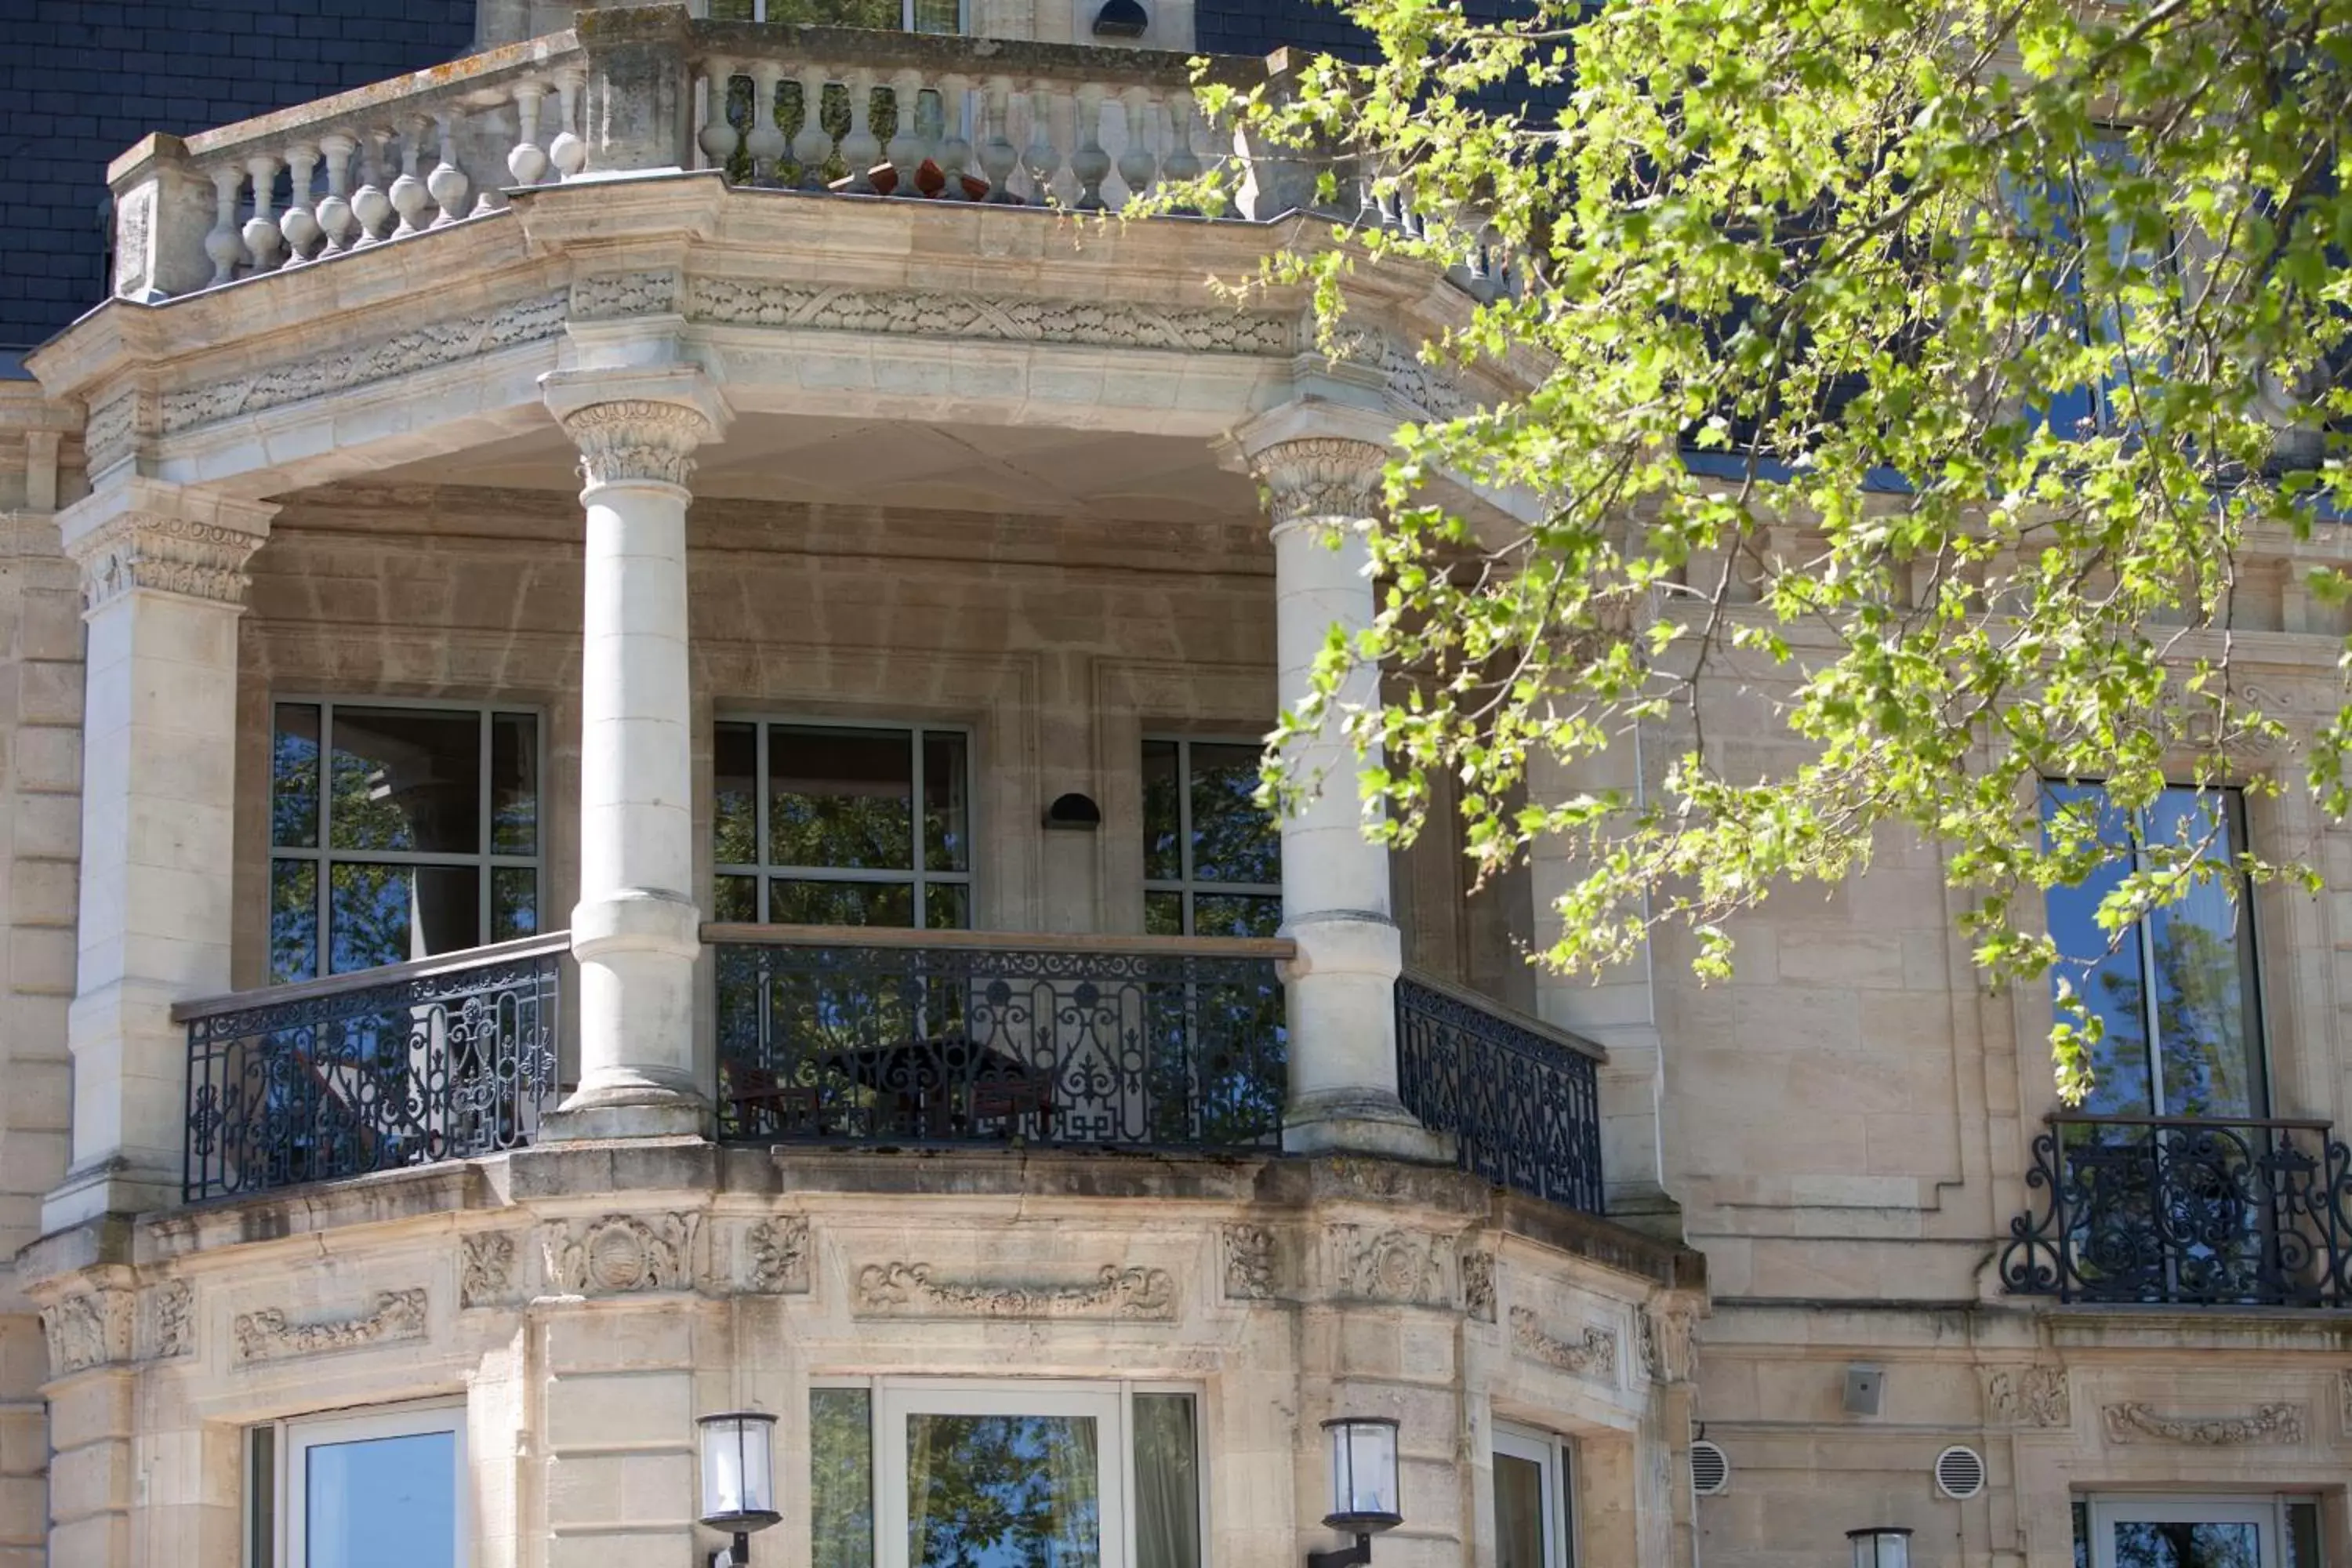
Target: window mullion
(2145, 937)
(322, 940)
(1184, 828)
(485, 835)
(760, 850)
(915, 816)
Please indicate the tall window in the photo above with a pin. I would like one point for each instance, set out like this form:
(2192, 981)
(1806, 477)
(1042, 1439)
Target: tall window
(380, 1490)
(1212, 856)
(901, 16)
(841, 825)
(926, 1473)
(2143, 1531)
(398, 830)
(2079, 219)
(1531, 1510)
(2175, 995)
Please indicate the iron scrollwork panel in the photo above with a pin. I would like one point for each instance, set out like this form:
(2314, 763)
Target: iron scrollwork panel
(1524, 1110)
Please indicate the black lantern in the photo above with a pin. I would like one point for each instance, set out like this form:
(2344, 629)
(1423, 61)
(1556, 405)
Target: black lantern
(1365, 1498)
(739, 1479)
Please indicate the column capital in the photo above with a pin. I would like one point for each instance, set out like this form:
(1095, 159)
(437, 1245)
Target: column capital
(145, 535)
(1319, 461)
(637, 426)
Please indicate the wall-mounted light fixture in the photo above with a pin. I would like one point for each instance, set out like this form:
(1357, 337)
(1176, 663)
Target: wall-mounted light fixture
(1073, 812)
(739, 1479)
(1364, 1491)
(1881, 1546)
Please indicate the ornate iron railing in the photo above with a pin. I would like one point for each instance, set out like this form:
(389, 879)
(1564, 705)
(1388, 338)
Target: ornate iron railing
(444, 1058)
(2185, 1211)
(861, 1035)
(1520, 1097)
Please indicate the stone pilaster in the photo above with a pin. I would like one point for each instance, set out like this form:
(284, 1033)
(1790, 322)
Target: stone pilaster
(636, 930)
(162, 570)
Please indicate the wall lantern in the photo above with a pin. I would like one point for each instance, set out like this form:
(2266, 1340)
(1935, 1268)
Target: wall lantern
(739, 1479)
(1881, 1546)
(1364, 1494)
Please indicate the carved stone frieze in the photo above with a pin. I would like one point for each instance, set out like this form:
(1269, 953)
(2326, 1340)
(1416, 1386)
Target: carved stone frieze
(735, 301)
(400, 353)
(1422, 386)
(171, 1319)
(1249, 1262)
(2029, 1396)
(1592, 1355)
(636, 439)
(2344, 1402)
(1320, 480)
(1478, 1284)
(915, 1291)
(1376, 1263)
(605, 296)
(108, 434)
(778, 1253)
(90, 1328)
(621, 1252)
(159, 552)
(1664, 1340)
(268, 1335)
(484, 1268)
(2133, 1422)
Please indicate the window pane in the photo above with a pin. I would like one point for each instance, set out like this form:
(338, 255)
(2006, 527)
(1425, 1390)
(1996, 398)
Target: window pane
(294, 778)
(1234, 840)
(2200, 948)
(730, 11)
(1164, 914)
(261, 1501)
(938, 17)
(841, 799)
(1162, 823)
(736, 900)
(1232, 914)
(2302, 1537)
(389, 1502)
(1167, 1483)
(794, 903)
(841, 1478)
(514, 784)
(1002, 1491)
(946, 906)
(881, 13)
(2082, 1534)
(735, 795)
(390, 914)
(406, 779)
(293, 920)
(1519, 1513)
(514, 902)
(2111, 985)
(2143, 1544)
(946, 813)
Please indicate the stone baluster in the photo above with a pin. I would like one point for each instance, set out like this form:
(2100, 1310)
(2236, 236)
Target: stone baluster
(718, 138)
(371, 206)
(446, 183)
(766, 141)
(567, 152)
(860, 149)
(1040, 159)
(300, 225)
(261, 235)
(812, 144)
(954, 156)
(906, 150)
(1139, 167)
(1089, 162)
(1181, 164)
(527, 160)
(336, 219)
(408, 193)
(997, 157)
(224, 244)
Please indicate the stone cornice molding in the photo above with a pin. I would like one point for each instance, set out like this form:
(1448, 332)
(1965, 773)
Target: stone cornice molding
(148, 536)
(634, 426)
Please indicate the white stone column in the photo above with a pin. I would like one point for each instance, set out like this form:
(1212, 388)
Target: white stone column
(162, 586)
(1322, 491)
(637, 929)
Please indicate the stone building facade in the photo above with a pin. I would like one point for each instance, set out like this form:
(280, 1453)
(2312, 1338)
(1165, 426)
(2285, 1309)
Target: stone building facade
(527, 412)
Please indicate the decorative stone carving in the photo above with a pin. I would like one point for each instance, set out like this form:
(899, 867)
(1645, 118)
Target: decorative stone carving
(1478, 1285)
(1249, 1262)
(621, 1252)
(2134, 1422)
(1422, 386)
(2029, 1396)
(484, 1268)
(911, 1290)
(1374, 1264)
(1592, 1355)
(106, 435)
(134, 224)
(992, 317)
(171, 1317)
(439, 344)
(779, 1251)
(1322, 478)
(267, 1336)
(608, 295)
(2344, 1401)
(163, 553)
(636, 439)
(90, 1329)
(1664, 1339)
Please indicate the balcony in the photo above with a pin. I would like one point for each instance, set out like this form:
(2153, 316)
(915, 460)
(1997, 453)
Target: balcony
(865, 1036)
(2161, 1211)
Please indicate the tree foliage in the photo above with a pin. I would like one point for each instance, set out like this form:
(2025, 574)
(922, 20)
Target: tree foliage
(1942, 374)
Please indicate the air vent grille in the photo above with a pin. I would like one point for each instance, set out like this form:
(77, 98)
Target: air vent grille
(1959, 1473)
(1710, 1470)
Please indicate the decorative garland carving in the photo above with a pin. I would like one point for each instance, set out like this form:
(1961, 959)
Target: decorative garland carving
(90, 1329)
(172, 1318)
(484, 1268)
(996, 317)
(778, 1251)
(1374, 1264)
(607, 295)
(163, 553)
(1593, 1357)
(910, 1291)
(1422, 386)
(1322, 478)
(1249, 1262)
(2029, 1396)
(1478, 1285)
(267, 1336)
(636, 439)
(2132, 1421)
(621, 1252)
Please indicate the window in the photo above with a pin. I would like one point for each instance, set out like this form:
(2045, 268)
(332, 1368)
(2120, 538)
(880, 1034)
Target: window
(2196, 1532)
(1531, 1510)
(398, 830)
(857, 826)
(930, 1474)
(1211, 855)
(901, 16)
(384, 1490)
(2077, 213)
(2176, 995)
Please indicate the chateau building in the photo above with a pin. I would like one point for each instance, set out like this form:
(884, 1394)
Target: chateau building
(634, 670)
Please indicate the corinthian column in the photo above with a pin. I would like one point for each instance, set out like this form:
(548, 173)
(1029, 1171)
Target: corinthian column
(637, 929)
(1322, 478)
(162, 586)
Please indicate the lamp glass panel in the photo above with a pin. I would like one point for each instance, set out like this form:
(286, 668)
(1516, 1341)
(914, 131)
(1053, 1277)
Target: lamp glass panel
(1363, 1469)
(1882, 1549)
(737, 1478)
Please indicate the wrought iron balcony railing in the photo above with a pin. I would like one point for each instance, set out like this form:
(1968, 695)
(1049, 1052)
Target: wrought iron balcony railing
(2184, 1212)
(444, 1058)
(865, 1036)
(1520, 1097)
